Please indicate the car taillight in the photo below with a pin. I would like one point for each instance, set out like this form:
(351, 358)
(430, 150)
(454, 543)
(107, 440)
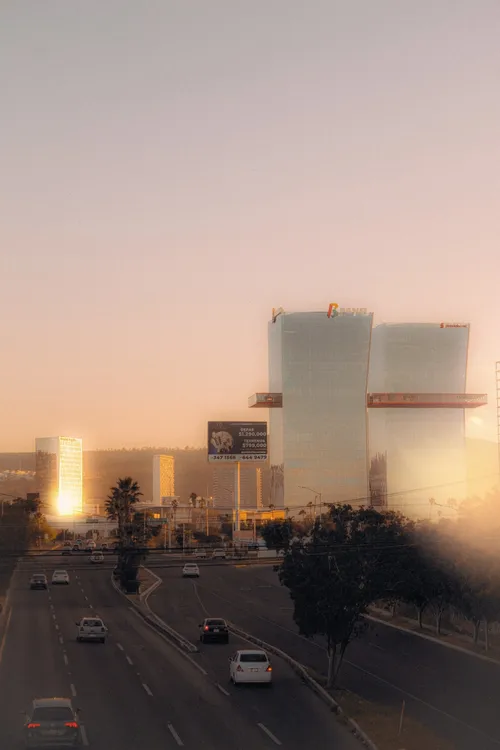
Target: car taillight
(32, 725)
(206, 627)
(239, 669)
(269, 669)
(71, 724)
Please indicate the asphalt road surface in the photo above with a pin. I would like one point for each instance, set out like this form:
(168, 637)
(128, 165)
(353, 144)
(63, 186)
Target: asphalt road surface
(136, 692)
(454, 694)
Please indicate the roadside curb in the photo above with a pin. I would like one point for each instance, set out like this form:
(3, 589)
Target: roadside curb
(302, 672)
(432, 639)
(143, 609)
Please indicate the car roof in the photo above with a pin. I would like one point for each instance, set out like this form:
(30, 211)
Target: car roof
(191, 565)
(60, 570)
(251, 651)
(91, 617)
(51, 702)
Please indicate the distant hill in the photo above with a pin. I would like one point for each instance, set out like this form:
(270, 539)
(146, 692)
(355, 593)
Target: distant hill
(194, 474)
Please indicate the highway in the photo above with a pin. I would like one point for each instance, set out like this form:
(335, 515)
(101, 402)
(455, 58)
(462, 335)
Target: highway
(137, 692)
(453, 693)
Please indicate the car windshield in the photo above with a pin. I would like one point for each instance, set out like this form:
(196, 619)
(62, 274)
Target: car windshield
(38, 577)
(92, 623)
(253, 658)
(216, 623)
(53, 713)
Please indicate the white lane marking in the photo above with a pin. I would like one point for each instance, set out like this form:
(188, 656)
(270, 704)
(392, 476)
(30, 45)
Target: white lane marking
(53, 616)
(85, 739)
(56, 626)
(172, 644)
(223, 690)
(120, 646)
(175, 735)
(52, 606)
(73, 690)
(129, 660)
(61, 640)
(65, 659)
(91, 607)
(147, 688)
(269, 733)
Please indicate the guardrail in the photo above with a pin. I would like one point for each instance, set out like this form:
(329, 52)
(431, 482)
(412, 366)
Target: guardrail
(302, 672)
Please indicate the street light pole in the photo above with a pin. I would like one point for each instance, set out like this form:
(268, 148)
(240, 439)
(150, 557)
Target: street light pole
(317, 495)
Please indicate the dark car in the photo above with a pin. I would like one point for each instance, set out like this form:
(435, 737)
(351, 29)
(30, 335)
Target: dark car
(66, 551)
(52, 722)
(76, 548)
(214, 629)
(39, 581)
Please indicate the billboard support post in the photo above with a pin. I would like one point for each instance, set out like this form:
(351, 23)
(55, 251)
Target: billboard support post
(237, 477)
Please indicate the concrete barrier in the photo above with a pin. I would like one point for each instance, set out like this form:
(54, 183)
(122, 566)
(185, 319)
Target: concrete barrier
(302, 672)
(143, 609)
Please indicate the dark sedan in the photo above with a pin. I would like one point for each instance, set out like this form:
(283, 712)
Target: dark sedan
(214, 629)
(39, 581)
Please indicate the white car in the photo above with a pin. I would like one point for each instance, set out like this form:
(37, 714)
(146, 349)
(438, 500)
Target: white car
(250, 665)
(60, 576)
(201, 554)
(91, 629)
(97, 557)
(190, 570)
(219, 554)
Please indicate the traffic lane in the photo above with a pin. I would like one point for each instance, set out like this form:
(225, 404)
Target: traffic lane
(117, 708)
(180, 696)
(32, 664)
(268, 707)
(366, 673)
(415, 664)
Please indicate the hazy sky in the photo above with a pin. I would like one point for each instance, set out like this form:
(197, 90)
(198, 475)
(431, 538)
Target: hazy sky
(170, 170)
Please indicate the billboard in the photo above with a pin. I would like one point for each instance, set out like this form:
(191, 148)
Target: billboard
(237, 441)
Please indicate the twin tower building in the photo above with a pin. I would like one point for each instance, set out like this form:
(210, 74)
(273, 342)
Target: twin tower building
(366, 414)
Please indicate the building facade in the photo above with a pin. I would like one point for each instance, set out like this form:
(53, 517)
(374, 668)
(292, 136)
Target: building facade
(223, 486)
(59, 472)
(418, 453)
(318, 439)
(163, 478)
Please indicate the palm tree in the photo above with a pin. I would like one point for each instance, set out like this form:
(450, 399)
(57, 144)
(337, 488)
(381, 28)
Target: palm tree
(271, 508)
(120, 502)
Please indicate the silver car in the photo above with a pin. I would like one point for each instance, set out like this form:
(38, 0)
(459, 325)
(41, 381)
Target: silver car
(52, 722)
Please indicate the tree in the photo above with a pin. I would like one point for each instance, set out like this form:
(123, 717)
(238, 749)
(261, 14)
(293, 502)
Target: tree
(277, 534)
(337, 569)
(119, 505)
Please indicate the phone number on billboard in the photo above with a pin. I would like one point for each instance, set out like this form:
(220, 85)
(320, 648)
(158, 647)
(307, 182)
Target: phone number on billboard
(251, 457)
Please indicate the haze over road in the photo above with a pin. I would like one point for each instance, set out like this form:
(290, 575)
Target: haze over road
(136, 691)
(453, 693)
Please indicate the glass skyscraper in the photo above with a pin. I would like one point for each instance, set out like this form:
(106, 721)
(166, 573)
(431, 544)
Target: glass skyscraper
(318, 440)
(418, 453)
(59, 471)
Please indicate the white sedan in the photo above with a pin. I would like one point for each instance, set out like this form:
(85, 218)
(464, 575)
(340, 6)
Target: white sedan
(250, 665)
(190, 570)
(60, 577)
(97, 557)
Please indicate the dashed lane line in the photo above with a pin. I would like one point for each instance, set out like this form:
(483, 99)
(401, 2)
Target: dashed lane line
(73, 690)
(129, 661)
(65, 659)
(119, 645)
(61, 640)
(85, 739)
(175, 735)
(269, 733)
(223, 690)
(147, 688)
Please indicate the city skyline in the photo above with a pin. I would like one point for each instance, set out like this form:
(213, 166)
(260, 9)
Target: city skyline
(344, 155)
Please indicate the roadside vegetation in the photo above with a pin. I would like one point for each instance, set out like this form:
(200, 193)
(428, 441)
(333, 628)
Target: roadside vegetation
(22, 527)
(133, 528)
(339, 565)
